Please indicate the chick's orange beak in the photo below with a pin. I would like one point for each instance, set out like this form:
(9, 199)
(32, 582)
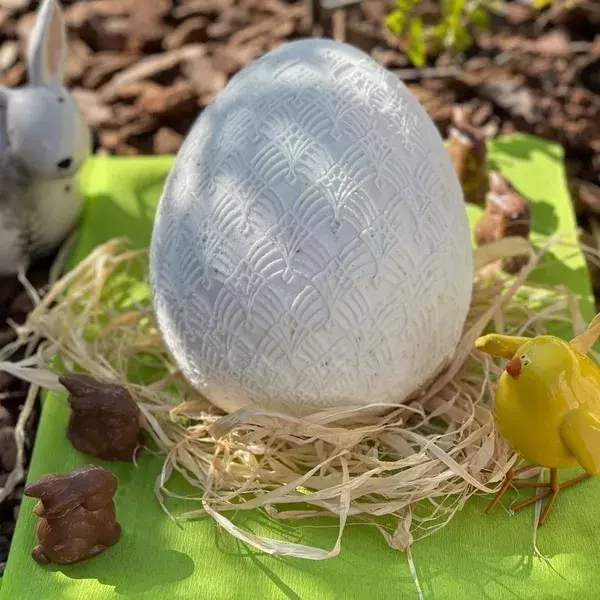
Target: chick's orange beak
(513, 368)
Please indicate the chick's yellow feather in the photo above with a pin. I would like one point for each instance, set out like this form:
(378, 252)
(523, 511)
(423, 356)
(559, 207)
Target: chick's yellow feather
(580, 431)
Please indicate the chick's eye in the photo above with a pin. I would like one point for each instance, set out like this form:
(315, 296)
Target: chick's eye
(525, 359)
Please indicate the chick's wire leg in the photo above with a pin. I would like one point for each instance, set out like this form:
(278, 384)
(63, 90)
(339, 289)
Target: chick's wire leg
(556, 487)
(507, 481)
(510, 476)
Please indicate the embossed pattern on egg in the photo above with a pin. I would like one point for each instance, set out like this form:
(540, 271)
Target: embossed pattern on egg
(311, 248)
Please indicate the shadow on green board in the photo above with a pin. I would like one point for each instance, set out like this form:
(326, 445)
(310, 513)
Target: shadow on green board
(158, 568)
(285, 589)
(523, 147)
(514, 149)
(543, 212)
(553, 271)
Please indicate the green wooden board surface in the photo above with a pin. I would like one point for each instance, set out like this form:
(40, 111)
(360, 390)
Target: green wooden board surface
(475, 556)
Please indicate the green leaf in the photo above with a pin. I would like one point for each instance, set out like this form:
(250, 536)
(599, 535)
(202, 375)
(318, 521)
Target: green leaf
(495, 6)
(462, 39)
(416, 42)
(395, 22)
(480, 17)
(452, 9)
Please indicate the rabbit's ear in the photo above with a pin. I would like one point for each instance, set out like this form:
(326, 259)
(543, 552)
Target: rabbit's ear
(47, 48)
(79, 384)
(49, 484)
(498, 183)
(459, 116)
(490, 130)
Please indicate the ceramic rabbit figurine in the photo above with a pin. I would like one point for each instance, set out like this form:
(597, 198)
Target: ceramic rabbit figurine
(77, 515)
(44, 140)
(506, 214)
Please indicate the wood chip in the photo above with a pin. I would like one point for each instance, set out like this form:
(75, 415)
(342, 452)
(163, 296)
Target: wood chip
(9, 52)
(204, 76)
(79, 12)
(512, 96)
(162, 101)
(555, 43)
(14, 77)
(16, 5)
(129, 92)
(112, 34)
(23, 29)
(104, 66)
(153, 9)
(151, 67)
(228, 23)
(7, 25)
(201, 7)
(78, 60)
(96, 113)
(5, 381)
(167, 141)
(191, 31)
(8, 448)
(589, 195)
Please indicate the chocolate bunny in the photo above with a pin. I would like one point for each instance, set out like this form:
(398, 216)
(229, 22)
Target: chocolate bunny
(77, 515)
(105, 420)
(467, 149)
(506, 214)
(44, 140)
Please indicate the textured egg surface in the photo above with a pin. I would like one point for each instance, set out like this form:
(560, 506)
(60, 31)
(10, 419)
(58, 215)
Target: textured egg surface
(311, 247)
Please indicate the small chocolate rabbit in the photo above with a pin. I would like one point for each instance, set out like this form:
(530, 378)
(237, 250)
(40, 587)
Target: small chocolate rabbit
(44, 140)
(467, 149)
(506, 214)
(105, 420)
(77, 515)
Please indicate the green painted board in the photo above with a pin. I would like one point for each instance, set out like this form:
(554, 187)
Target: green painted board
(475, 556)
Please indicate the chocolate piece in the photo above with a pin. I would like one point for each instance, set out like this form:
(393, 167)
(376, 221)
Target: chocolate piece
(506, 214)
(105, 420)
(77, 515)
(467, 149)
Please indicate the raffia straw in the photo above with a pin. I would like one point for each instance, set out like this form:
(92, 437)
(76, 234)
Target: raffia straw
(406, 471)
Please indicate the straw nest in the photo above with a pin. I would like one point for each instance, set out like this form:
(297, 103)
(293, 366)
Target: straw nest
(413, 467)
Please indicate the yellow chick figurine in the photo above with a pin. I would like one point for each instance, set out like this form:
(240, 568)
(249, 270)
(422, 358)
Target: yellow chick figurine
(547, 407)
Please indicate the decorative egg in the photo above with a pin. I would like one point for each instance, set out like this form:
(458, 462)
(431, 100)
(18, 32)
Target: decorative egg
(311, 248)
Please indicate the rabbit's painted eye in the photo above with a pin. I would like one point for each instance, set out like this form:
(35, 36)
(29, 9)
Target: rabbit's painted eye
(61, 100)
(65, 163)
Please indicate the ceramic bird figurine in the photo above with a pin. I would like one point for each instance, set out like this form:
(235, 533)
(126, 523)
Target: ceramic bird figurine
(44, 140)
(547, 407)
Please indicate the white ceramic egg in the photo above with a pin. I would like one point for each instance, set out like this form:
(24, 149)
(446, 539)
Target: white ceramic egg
(311, 248)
